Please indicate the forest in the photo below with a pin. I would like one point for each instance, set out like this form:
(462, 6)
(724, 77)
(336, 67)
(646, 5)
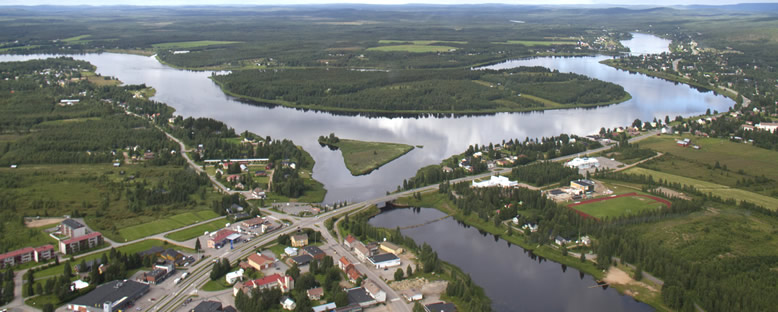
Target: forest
(445, 90)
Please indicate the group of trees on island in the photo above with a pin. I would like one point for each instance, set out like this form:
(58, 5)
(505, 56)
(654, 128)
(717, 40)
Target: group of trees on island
(419, 90)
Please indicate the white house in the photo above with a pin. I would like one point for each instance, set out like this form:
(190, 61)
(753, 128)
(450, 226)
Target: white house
(374, 291)
(233, 277)
(288, 304)
(767, 126)
(290, 251)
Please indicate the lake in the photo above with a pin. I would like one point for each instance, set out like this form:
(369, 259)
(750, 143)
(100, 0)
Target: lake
(191, 93)
(512, 277)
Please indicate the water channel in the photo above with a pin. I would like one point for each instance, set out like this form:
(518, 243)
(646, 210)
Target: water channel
(512, 277)
(191, 93)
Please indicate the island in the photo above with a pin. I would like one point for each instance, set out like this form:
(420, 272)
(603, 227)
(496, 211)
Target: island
(363, 157)
(457, 90)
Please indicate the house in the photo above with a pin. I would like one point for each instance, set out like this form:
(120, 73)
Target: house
(233, 277)
(110, 297)
(391, 248)
(233, 178)
(219, 238)
(353, 273)
(290, 251)
(495, 181)
(361, 251)
(260, 262)
(447, 169)
(412, 295)
(386, 260)
(372, 249)
(153, 251)
(315, 293)
(302, 260)
(374, 291)
(80, 243)
(314, 252)
(559, 240)
(767, 126)
(349, 242)
(208, 306)
(259, 193)
(359, 296)
(154, 276)
(343, 263)
(252, 223)
(327, 307)
(287, 303)
(440, 307)
(583, 186)
(72, 228)
(585, 240)
(172, 255)
(299, 240)
(285, 283)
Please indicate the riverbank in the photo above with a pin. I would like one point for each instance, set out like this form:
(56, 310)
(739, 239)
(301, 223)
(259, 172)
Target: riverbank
(672, 78)
(645, 292)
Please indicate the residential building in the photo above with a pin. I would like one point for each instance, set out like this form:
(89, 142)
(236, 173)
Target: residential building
(359, 296)
(375, 292)
(299, 240)
(391, 248)
(361, 251)
(315, 293)
(353, 273)
(767, 126)
(349, 242)
(386, 260)
(233, 277)
(44, 252)
(290, 251)
(440, 307)
(80, 243)
(260, 262)
(412, 294)
(109, 297)
(302, 259)
(287, 303)
(314, 252)
(559, 240)
(171, 254)
(72, 228)
(343, 263)
(283, 282)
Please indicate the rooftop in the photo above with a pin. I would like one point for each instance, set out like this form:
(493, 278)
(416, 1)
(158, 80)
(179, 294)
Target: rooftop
(80, 238)
(358, 295)
(313, 250)
(208, 306)
(383, 258)
(441, 307)
(111, 291)
(302, 260)
(72, 223)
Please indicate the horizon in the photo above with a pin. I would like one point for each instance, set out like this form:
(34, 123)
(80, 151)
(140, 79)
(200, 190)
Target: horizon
(231, 3)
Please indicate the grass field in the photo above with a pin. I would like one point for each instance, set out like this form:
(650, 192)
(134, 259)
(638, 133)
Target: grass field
(532, 43)
(131, 248)
(362, 157)
(76, 38)
(190, 44)
(413, 48)
(195, 231)
(619, 206)
(723, 191)
(166, 224)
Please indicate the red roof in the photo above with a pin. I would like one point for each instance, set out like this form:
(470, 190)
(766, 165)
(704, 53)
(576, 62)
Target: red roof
(350, 239)
(17, 252)
(344, 261)
(44, 248)
(222, 234)
(352, 272)
(80, 238)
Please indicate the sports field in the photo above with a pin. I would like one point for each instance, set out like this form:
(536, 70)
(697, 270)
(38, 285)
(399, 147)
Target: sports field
(619, 205)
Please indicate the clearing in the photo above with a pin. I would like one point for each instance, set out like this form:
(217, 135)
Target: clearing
(166, 224)
(413, 48)
(195, 231)
(42, 222)
(362, 157)
(619, 205)
(532, 43)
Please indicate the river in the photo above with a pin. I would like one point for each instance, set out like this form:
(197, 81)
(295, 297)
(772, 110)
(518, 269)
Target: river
(512, 277)
(191, 93)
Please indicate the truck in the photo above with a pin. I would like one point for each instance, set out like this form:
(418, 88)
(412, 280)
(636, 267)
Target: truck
(176, 281)
(183, 276)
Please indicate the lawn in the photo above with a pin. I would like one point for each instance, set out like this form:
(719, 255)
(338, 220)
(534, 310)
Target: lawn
(192, 232)
(532, 43)
(217, 285)
(363, 157)
(413, 48)
(619, 206)
(420, 42)
(166, 224)
(723, 191)
(190, 44)
(40, 301)
(76, 38)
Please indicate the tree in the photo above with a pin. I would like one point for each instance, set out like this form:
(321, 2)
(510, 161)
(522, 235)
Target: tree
(638, 273)
(417, 307)
(66, 271)
(293, 271)
(564, 250)
(341, 298)
(197, 245)
(583, 256)
(398, 275)
(408, 271)
(48, 308)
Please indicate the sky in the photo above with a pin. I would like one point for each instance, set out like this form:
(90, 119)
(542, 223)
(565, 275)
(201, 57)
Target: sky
(290, 2)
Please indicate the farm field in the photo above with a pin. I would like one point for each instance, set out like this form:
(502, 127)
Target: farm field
(362, 157)
(166, 224)
(723, 191)
(192, 232)
(190, 44)
(414, 48)
(618, 206)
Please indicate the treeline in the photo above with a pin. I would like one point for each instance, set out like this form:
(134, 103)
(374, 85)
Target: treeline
(544, 173)
(417, 90)
(176, 189)
(7, 289)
